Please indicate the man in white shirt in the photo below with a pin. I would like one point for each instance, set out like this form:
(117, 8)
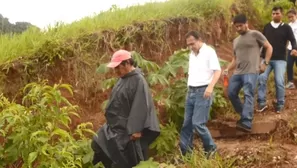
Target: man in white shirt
(204, 72)
(291, 59)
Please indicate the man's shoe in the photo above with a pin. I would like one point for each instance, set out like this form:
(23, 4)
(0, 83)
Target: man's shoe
(262, 108)
(211, 153)
(242, 127)
(279, 109)
(290, 85)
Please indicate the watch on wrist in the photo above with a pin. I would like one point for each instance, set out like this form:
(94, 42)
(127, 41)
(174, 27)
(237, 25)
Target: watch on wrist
(266, 63)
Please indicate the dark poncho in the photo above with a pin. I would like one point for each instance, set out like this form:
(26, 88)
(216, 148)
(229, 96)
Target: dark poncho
(130, 110)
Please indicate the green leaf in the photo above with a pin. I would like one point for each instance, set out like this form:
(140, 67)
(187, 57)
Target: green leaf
(223, 62)
(44, 149)
(104, 104)
(2, 133)
(88, 157)
(157, 79)
(32, 157)
(147, 164)
(62, 133)
(102, 69)
(108, 83)
(67, 87)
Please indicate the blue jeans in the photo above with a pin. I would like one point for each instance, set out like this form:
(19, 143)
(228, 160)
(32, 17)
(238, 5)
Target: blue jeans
(246, 110)
(279, 67)
(195, 119)
(290, 66)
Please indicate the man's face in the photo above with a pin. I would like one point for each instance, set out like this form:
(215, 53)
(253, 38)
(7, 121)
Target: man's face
(121, 70)
(241, 28)
(291, 17)
(277, 16)
(193, 44)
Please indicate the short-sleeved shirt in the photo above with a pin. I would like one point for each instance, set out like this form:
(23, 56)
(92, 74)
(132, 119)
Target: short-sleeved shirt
(202, 66)
(247, 50)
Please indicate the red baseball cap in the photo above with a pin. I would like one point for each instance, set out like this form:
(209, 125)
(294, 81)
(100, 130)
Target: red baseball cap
(118, 57)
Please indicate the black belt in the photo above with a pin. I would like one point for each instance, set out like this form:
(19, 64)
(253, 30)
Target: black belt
(197, 87)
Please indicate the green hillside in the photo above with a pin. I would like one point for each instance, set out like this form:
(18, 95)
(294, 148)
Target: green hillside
(55, 85)
(28, 43)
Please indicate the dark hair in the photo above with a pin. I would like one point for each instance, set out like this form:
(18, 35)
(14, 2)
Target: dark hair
(278, 8)
(292, 11)
(130, 62)
(193, 33)
(240, 18)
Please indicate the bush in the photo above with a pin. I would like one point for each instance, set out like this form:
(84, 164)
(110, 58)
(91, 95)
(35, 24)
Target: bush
(36, 132)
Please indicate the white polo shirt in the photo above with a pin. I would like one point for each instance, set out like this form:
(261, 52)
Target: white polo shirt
(202, 66)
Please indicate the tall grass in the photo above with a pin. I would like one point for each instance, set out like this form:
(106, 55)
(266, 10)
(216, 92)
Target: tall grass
(26, 44)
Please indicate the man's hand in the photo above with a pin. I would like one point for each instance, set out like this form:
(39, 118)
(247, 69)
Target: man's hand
(225, 72)
(135, 136)
(262, 68)
(294, 52)
(208, 92)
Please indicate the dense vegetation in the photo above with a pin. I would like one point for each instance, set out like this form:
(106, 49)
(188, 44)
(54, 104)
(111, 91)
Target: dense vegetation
(28, 43)
(39, 123)
(7, 27)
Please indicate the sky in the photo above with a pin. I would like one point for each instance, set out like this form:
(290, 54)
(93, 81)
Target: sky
(42, 13)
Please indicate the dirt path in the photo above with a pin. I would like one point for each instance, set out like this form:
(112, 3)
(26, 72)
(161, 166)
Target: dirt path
(272, 143)
(253, 153)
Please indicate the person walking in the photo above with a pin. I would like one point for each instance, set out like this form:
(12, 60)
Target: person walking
(131, 120)
(291, 59)
(278, 34)
(203, 73)
(247, 51)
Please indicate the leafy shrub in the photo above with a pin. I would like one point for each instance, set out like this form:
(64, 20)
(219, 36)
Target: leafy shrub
(36, 132)
(167, 139)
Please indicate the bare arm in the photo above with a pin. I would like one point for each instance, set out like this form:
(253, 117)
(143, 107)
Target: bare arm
(232, 64)
(216, 77)
(215, 66)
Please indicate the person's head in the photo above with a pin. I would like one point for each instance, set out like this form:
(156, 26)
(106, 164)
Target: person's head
(194, 41)
(277, 14)
(240, 23)
(121, 62)
(292, 15)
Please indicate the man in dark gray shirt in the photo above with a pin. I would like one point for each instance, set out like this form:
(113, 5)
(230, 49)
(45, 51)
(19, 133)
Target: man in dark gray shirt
(247, 50)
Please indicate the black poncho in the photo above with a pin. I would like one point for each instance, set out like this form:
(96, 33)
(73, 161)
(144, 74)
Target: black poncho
(130, 110)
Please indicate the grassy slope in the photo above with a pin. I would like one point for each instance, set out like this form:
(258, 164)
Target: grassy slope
(26, 44)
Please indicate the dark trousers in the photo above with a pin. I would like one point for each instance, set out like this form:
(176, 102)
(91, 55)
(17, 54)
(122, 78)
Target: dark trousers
(290, 66)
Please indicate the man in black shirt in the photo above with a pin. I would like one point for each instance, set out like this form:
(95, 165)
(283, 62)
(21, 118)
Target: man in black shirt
(278, 34)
